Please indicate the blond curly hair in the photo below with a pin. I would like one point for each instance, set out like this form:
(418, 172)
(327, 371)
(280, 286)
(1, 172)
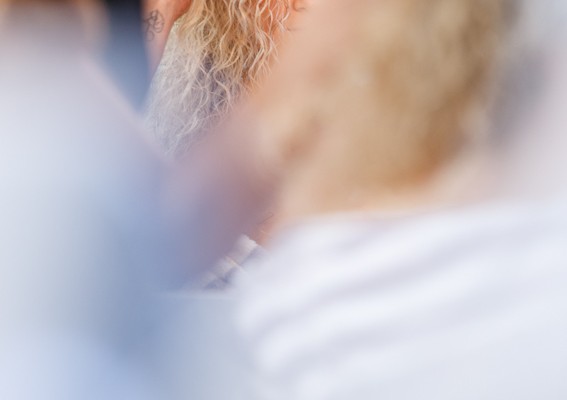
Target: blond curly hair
(216, 52)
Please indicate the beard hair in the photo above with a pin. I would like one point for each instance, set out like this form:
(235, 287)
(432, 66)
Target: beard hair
(216, 53)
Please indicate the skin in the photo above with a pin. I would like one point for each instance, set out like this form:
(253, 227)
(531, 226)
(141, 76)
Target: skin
(159, 17)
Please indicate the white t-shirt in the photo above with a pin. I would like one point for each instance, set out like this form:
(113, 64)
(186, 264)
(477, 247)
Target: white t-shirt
(462, 304)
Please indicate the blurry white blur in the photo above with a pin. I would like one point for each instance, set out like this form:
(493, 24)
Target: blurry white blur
(80, 230)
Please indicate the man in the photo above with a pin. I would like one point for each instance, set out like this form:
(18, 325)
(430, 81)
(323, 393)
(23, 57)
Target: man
(424, 251)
